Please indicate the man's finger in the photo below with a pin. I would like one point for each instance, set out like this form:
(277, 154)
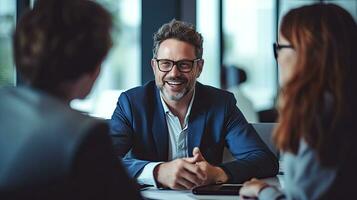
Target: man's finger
(192, 178)
(185, 183)
(196, 151)
(192, 160)
(195, 169)
(178, 186)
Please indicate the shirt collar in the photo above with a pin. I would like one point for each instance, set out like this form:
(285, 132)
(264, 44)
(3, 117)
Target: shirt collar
(168, 111)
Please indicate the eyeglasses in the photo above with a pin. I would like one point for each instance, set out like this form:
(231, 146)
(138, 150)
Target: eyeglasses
(184, 66)
(277, 47)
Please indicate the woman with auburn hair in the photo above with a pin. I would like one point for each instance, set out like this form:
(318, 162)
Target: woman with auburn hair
(316, 51)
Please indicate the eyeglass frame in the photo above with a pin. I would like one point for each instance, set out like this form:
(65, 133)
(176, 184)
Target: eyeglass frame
(177, 64)
(277, 47)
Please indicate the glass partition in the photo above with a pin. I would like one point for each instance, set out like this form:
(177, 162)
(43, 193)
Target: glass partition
(207, 25)
(7, 24)
(349, 5)
(249, 31)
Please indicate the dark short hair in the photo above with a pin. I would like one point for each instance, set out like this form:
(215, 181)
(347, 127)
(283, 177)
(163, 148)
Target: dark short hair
(179, 30)
(60, 40)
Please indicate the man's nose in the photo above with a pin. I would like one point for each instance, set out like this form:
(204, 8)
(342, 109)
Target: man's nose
(175, 70)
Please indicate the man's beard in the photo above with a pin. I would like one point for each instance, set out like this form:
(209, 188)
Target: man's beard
(178, 95)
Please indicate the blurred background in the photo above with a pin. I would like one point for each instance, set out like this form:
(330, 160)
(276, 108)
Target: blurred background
(238, 37)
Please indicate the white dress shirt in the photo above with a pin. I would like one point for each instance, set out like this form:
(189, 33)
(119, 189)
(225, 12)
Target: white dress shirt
(177, 142)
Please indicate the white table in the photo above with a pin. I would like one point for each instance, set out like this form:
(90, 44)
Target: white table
(153, 193)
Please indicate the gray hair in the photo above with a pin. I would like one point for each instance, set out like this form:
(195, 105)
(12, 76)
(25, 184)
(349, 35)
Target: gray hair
(179, 30)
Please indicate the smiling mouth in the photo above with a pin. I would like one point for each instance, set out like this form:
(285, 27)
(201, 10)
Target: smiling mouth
(175, 83)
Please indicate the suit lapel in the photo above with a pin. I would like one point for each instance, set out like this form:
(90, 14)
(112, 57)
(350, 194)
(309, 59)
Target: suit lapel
(197, 120)
(159, 129)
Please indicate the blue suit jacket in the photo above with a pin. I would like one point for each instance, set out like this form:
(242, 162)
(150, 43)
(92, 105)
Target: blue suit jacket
(139, 131)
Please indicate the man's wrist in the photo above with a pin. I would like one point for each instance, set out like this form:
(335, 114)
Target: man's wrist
(153, 167)
(156, 175)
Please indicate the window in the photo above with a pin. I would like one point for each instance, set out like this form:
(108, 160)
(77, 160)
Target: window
(7, 24)
(287, 5)
(207, 25)
(249, 32)
(350, 6)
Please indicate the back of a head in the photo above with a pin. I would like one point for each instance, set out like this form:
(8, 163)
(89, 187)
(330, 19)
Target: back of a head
(318, 99)
(60, 40)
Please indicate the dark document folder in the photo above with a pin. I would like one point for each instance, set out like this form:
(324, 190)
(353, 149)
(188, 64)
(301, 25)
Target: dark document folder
(217, 189)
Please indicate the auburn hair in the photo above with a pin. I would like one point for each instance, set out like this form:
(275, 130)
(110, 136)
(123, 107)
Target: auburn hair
(316, 103)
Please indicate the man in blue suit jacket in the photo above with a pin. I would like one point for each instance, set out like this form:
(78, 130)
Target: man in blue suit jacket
(156, 127)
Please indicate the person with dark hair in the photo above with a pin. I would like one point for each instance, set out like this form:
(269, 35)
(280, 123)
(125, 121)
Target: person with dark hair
(316, 52)
(48, 150)
(172, 131)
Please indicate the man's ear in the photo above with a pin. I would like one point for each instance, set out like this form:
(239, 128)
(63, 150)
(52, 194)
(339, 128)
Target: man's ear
(153, 65)
(200, 67)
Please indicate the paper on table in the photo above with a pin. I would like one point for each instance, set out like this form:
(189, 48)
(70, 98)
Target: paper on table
(154, 193)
